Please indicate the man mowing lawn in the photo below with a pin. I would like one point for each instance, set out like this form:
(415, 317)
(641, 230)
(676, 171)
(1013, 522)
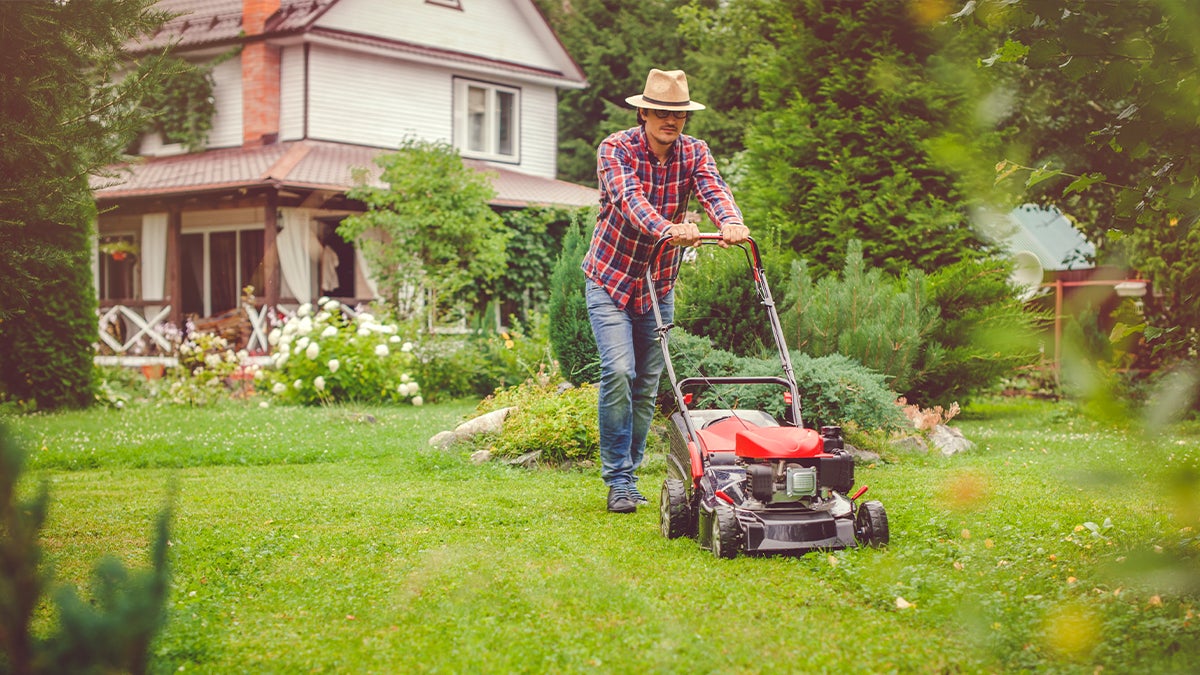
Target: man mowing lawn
(646, 176)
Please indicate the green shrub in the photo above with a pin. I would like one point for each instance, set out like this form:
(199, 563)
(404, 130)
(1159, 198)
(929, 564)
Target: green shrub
(448, 367)
(516, 354)
(865, 315)
(939, 339)
(118, 386)
(984, 335)
(561, 424)
(570, 331)
(716, 297)
(834, 389)
(476, 365)
(322, 355)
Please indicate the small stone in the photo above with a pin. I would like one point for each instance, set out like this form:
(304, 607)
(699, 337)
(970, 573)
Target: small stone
(481, 456)
(443, 440)
(863, 456)
(910, 444)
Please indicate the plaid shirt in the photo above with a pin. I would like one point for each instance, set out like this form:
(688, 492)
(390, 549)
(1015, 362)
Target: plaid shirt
(639, 200)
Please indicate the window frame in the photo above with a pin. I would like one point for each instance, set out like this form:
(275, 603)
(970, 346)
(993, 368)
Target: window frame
(206, 277)
(462, 89)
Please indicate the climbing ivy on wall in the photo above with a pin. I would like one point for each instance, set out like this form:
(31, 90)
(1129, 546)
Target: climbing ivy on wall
(182, 109)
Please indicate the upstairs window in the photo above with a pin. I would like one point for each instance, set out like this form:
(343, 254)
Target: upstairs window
(487, 120)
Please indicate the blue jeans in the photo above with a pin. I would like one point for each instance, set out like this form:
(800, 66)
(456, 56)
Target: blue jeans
(631, 362)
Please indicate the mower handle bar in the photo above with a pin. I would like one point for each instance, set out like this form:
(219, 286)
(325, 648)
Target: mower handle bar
(689, 382)
(764, 293)
(709, 238)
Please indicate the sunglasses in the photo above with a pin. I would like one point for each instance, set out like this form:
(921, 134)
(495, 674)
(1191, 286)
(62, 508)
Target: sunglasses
(677, 114)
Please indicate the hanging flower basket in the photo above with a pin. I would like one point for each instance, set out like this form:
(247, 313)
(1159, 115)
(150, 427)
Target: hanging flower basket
(119, 249)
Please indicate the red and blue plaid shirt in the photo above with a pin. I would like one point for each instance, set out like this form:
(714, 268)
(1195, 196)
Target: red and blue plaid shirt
(639, 200)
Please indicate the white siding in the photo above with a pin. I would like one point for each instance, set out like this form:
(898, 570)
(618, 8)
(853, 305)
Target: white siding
(291, 93)
(373, 100)
(539, 130)
(227, 91)
(496, 29)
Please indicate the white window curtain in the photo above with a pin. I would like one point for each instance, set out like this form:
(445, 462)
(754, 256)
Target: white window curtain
(295, 256)
(364, 266)
(153, 258)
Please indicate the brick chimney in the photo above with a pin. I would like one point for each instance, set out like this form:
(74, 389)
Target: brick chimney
(260, 76)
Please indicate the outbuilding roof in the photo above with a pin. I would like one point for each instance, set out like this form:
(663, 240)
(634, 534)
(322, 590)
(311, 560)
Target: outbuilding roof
(1052, 237)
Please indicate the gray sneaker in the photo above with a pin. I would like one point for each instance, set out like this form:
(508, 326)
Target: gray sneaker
(620, 501)
(637, 497)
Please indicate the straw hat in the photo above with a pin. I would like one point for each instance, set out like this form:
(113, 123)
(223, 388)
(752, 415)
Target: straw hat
(665, 90)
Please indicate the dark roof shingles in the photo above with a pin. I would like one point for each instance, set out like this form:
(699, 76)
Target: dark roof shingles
(308, 164)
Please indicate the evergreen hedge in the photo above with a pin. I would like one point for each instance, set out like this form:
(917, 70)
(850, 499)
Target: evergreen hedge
(46, 347)
(985, 333)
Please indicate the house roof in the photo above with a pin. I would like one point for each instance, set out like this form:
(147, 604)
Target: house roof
(307, 165)
(199, 24)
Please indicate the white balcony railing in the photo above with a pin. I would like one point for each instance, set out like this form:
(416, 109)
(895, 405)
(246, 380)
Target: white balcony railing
(139, 333)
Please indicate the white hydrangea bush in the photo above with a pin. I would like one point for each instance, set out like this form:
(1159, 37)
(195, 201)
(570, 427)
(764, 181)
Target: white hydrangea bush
(322, 354)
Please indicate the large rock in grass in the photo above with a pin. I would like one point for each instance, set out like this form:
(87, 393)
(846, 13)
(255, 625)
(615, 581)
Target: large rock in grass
(491, 423)
(950, 440)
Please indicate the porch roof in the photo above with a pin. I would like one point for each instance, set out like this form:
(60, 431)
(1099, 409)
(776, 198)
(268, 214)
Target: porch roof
(306, 165)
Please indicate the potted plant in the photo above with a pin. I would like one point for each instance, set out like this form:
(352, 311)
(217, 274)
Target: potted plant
(119, 249)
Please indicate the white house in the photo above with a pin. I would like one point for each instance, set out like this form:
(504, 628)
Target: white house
(315, 89)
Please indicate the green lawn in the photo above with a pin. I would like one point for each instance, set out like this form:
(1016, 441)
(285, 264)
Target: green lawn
(324, 540)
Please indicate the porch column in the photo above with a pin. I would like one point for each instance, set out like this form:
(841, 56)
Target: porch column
(174, 275)
(271, 250)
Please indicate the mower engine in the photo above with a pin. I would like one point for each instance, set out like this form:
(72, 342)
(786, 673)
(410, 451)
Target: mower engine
(775, 489)
(758, 482)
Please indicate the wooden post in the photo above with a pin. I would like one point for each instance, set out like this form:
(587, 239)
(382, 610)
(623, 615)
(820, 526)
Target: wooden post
(271, 250)
(174, 263)
(1058, 328)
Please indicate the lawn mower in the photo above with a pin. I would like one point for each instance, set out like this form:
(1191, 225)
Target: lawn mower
(747, 481)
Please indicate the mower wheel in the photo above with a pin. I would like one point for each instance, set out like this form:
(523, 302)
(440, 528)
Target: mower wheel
(726, 533)
(675, 515)
(871, 524)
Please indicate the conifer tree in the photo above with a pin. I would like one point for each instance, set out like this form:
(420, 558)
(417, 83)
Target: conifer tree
(67, 114)
(571, 339)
